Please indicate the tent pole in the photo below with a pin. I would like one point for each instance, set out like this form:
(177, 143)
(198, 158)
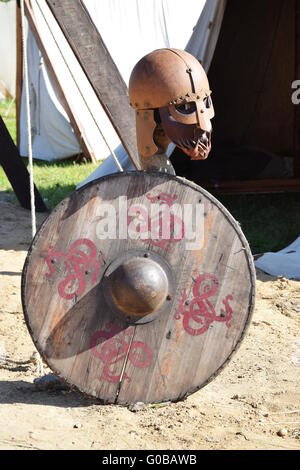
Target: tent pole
(19, 69)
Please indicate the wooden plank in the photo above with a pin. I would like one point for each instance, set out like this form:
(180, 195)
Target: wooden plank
(75, 122)
(16, 171)
(297, 107)
(85, 338)
(101, 71)
(19, 70)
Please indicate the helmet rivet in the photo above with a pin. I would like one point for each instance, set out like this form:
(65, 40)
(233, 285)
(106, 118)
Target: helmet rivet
(189, 70)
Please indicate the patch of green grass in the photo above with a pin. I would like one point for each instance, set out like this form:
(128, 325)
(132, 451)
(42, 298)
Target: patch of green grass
(8, 113)
(55, 181)
(270, 221)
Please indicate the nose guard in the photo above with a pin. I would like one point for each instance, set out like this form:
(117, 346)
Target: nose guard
(202, 114)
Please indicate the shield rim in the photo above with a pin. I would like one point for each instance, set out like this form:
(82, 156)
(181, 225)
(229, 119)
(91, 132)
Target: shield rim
(236, 226)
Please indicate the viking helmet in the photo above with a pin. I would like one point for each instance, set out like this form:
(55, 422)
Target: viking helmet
(174, 83)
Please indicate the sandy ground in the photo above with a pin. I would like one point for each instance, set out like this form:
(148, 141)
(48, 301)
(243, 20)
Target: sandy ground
(245, 407)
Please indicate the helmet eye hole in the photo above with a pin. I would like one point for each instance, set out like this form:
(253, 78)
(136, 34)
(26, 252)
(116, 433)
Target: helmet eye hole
(186, 108)
(207, 102)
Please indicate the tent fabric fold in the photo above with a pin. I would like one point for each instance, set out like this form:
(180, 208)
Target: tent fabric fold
(284, 263)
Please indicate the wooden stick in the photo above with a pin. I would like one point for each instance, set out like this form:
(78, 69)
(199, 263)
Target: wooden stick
(19, 69)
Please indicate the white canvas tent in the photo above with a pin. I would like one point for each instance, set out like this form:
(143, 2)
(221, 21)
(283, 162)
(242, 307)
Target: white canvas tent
(285, 262)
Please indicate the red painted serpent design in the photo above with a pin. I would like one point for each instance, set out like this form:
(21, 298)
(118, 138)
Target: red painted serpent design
(78, 263)
(115, 348)
(200, 309)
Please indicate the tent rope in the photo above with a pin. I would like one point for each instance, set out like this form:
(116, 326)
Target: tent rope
(117, 161)
(29, 137)
(39, 370)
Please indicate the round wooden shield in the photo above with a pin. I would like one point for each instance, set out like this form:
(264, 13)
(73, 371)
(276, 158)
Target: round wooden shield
(138, 287)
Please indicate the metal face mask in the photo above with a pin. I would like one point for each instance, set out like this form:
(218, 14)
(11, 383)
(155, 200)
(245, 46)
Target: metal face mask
(173, 82)
(188, 126)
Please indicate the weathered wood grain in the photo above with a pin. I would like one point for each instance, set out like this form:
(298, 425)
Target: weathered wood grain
(81, 337)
